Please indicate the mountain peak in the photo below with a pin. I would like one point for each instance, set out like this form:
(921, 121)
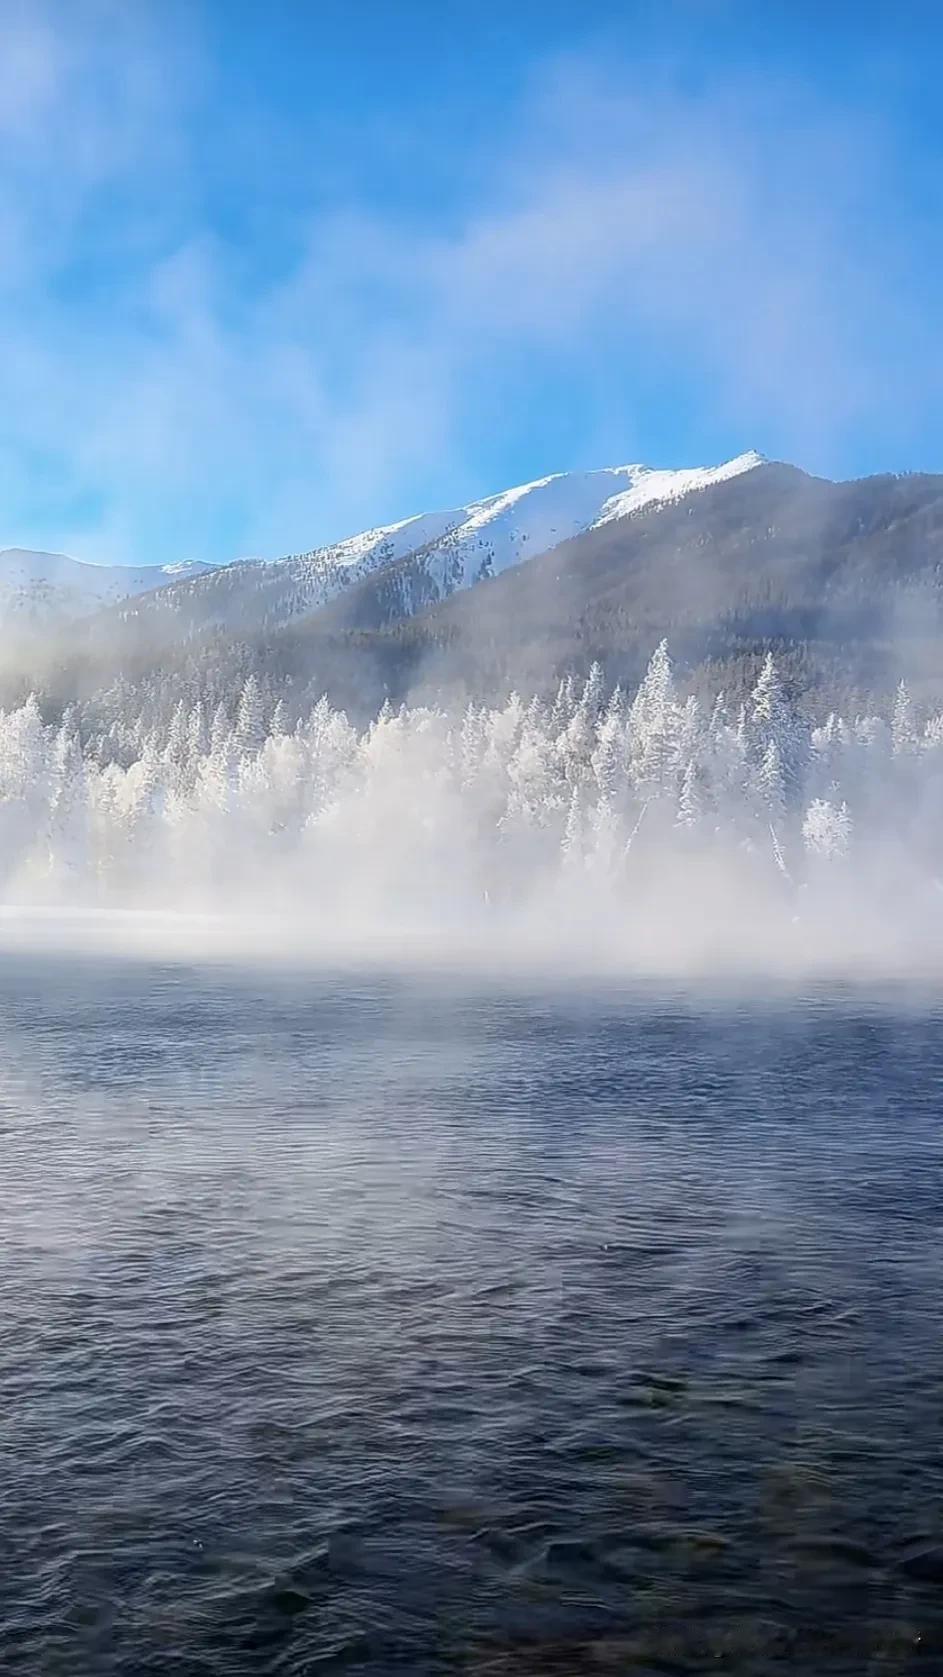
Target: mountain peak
(424, 559)
(649, 485)
(36, 586)
(444, 552)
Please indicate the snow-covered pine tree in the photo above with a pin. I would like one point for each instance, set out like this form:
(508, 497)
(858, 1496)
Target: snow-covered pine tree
(903, 725)
(250, 718)
(771, 785)
(653, 729)
(563, 705)
(573, 842)
(196, 733)
(689, 801)
(220, 731)
(594, 691)
(772, 721)
(826, 829)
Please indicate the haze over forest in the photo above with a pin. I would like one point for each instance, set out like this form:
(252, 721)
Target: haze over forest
(469, 727)
(238, 324)
(840, 580)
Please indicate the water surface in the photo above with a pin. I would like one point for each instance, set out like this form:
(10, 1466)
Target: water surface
(383, 1324)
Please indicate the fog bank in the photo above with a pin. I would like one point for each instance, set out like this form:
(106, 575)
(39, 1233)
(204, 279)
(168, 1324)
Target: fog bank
(597, 832)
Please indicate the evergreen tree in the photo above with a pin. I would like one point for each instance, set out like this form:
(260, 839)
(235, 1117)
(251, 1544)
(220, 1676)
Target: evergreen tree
(826, 830)
(652, 728)
(250, 718)
(196, 732)
(573, 833)
(774, 723)
(903, 726)
(689, 803)
(770, 782)
(220, 732)
(564, 705)
(591, 701)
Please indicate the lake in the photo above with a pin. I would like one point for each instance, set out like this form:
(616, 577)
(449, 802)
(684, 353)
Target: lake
(381, 1322)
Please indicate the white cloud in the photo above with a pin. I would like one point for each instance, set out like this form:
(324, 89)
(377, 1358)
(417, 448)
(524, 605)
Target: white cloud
(755, 244)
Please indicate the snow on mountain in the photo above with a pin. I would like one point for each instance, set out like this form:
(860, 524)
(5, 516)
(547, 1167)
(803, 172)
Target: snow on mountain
(44, 587)
(432, 555)
(180, 571)
(649, 485)
(522, 523)
(447, 551)
(390, 541)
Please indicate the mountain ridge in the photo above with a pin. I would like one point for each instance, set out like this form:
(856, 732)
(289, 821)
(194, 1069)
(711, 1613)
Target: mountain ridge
(838, 579)
(454, 549)
(461, 545)
(39, 586)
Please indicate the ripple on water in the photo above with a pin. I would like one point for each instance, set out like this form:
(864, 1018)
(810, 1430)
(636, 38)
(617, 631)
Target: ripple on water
(361, 1329)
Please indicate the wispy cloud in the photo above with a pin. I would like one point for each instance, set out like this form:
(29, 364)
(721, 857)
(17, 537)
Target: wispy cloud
(153, 384)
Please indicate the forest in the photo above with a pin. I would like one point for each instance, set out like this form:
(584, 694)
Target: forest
(562, 809)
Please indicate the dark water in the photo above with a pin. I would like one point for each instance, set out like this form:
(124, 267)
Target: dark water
(395, 1326)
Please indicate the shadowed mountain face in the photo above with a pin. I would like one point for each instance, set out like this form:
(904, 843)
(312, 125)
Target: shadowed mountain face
(426, 559)
(841, 580)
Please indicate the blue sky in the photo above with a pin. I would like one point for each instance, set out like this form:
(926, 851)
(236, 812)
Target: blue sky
(276, 270)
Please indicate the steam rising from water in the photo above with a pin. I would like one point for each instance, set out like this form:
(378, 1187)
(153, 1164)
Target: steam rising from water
(599, 830)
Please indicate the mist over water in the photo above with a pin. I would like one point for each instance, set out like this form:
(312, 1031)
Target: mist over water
(597, 830)
(491, 1225)
(378, 1323)
(470, 1174)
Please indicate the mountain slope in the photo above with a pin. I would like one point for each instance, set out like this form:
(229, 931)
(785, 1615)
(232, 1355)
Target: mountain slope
(448, 551)
(39, 588)
(841, 580)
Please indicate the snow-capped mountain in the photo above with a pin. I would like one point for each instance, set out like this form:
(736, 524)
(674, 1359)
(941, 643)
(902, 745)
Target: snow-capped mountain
(419, 560)
(491, 535)
(45, 587)
(427, 558)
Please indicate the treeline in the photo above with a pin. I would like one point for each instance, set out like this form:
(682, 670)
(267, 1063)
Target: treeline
(428, 811)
